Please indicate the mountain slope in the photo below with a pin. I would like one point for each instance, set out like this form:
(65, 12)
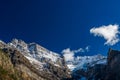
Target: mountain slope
(81, 62)
(6, 67)
(22, 61)
(35, 52)
(34, 62)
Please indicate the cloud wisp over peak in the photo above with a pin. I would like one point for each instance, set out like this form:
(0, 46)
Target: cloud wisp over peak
(69, 54)
(110, 33)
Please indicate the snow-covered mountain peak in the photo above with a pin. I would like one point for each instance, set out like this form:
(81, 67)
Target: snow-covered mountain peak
(37, 54)
(18, 42)
(37, 48)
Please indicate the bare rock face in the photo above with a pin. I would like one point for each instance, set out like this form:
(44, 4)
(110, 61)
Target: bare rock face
(29, 71)
(113, 66)
(22, 65)
(33, 62)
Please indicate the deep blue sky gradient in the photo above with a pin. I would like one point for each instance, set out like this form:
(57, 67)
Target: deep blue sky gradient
(58, 24)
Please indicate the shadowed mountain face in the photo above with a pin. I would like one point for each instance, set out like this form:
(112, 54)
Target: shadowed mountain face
(113, 66)
(108, 71)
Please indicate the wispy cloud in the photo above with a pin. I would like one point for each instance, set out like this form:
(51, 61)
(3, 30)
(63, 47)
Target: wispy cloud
(109, 33)
(69, 54)
(79, 50)
(87, 48)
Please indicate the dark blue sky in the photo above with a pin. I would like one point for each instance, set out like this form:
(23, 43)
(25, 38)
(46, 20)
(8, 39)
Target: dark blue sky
(58, 24)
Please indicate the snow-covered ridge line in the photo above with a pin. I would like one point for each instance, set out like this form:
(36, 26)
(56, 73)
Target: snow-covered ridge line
(82, 62)
(33, 49)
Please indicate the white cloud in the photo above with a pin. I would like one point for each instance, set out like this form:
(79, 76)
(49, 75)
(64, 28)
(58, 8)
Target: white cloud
(69, 54)
(87, 48)
(109, 33)
(79, 50)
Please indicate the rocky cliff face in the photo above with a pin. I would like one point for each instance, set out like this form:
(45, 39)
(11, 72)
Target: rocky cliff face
(113, 66)
(33, 62)
(108, 71)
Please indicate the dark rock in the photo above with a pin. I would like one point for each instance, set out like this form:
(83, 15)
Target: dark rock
(110, 71)
(113, 67)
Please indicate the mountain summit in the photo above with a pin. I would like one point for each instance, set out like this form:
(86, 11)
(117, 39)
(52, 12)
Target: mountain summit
(35, 52)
